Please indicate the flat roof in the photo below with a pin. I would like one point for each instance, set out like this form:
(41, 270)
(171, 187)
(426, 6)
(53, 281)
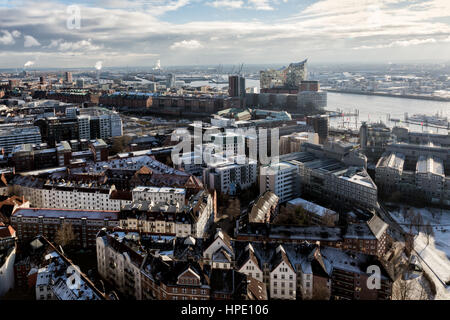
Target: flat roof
(67, 213)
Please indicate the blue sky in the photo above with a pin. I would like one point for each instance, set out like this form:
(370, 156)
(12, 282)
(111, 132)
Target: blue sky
(180, 32)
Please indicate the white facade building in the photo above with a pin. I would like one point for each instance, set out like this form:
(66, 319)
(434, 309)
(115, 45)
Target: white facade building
(160, 195)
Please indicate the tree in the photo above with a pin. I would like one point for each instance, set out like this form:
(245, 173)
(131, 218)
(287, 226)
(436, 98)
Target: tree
(328, 219)
(429, 232)
(293, 216)
(65, 235)
(120, 144)
(233, 209)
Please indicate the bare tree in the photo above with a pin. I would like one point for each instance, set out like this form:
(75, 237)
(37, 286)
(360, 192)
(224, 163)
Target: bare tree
(328, 219)
(65, 235)
(428, 232)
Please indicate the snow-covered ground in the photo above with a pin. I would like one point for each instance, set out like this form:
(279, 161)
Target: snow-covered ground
(435, 254)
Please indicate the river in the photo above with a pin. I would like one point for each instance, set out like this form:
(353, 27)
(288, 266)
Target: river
(377, 108)
(371, 108)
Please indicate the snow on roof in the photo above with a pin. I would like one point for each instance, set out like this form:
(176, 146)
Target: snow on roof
(311, 207)
(67, 213)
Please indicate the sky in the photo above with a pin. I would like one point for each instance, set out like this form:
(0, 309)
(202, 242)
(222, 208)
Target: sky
(70, 34)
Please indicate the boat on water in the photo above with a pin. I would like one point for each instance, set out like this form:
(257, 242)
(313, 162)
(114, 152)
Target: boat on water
(422, 119)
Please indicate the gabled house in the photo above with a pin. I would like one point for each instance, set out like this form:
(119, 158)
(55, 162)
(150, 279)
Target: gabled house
(219, 253)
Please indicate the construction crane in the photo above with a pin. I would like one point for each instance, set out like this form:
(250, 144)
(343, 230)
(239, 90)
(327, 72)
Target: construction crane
(241, 66)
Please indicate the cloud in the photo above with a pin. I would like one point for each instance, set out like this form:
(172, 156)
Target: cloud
(136, 30)
(260, 4)
(28, 64)
(82, 45)
(29, 41)
(7, 38)
(186, 44)
(227, 4)
(400, 43)
(16, 34)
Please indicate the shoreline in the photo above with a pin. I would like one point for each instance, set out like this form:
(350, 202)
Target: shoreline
(389, 95)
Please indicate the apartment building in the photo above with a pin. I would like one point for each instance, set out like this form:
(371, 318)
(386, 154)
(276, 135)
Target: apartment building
(155, 194)
(281, 179)
(61, 194)
(430, 177)
(191, 219)
(119, 264)
(138, 273)
(219, 252)
(293, 142)
(423, 175)
(367, 237)
(333, 171)
(229, 175)
(50, 275)
(10, 136)
(30, 222)
(98, 122)
(389, 170)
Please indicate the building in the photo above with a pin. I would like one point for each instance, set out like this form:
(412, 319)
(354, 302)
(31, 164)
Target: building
(7, 258)
(191, 219)
(430, 177)
(68, 77)
(124, 260)
(403, 134)
(374, 139)
(290, 77)
(293, 142)
(369, 237)
(236, 86)
(57, 129)
(319, 215)
(264, 209)
(335, 171)
(349, 276)
(308, 101)
(12, 136)
(99, 123)
(170, 80)
(173, 196)
(281, 179)
(118, 263)
(415, 177)
(219, 252)
(228, 175)
(389, 171)
(69, 194)
(30, 223)
(52, 276)
(320, 124)
(306, 271)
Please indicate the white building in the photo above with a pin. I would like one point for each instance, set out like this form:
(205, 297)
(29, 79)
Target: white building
(228, 175)
(119, 264)
(192, 219)
(84, 127)
(219, 253)
(68, 195)
(249, 265)
(160, 195)
(282, 277)
(280, 178)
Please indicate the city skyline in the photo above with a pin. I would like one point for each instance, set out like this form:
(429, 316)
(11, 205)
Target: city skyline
(198, 32)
